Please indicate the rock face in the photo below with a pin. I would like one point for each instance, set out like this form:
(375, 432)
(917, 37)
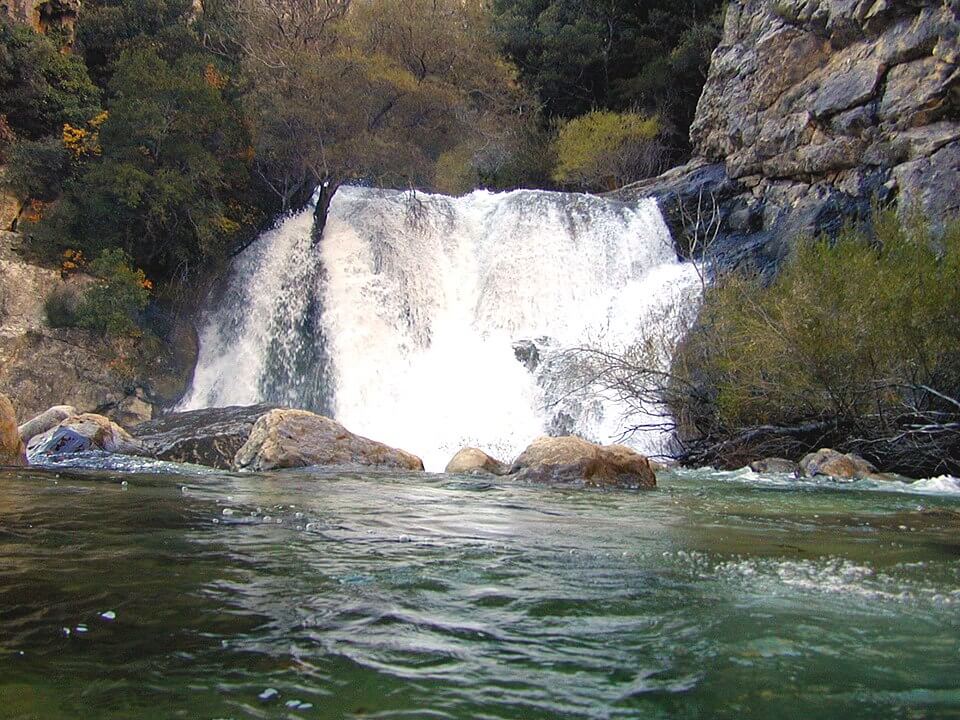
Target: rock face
(570, 459)
(298, 438)
(42, 366)
(209, 437)
(44, 15)
(11, 446)
(836, 465)
(775, 465)
(471, 460)
(811, 109)
(82, 433)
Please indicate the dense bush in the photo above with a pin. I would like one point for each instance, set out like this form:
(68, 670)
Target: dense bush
(114, 305)
(41, 88)
(37, 168)
(582, 55)
(604, 150)
(61, 307)
(855, 344)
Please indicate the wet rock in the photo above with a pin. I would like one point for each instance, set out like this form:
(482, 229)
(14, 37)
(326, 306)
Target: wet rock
(82, 433)
(775, 465)
(472, 460)
(208, 437)
(11, 446)
(571, 459)
(836, 465)
(527, 352)
(298, 438)
(46, 420)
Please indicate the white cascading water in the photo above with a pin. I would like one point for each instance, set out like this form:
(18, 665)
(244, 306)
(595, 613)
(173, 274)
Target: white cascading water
(431, 323)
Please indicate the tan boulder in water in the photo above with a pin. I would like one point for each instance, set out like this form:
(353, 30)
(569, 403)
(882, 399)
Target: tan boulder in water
(298, 438)
(826, 461)
(775, 465)
(11, 446)
(571, 459)
(473, 460)
(81, 433)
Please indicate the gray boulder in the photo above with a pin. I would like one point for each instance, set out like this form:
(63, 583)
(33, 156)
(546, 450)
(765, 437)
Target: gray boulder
(83, 433)
(208, 437)
(775, 465)
(46, 420)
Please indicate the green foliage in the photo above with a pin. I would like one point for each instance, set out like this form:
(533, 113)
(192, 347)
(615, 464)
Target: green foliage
(41, 88)
(851, 331)
(581, 55)
(109, 27)
(605, 150)
(114, 305)
(173, 153)
(61, 308)
(37, 168)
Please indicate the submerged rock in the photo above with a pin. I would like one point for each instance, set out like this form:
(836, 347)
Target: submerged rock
(775, 465)
(80, 433)
(209, 437)
(299, 438)
(571, 459)
(11, 446)
(46, 420)
(473, 460)
(835, 464)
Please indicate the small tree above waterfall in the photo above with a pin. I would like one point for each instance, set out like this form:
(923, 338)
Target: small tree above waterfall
(375, 92)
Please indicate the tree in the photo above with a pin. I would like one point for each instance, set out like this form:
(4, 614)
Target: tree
(174, 155)
(604, 150)
(41, 88)
(579, 56)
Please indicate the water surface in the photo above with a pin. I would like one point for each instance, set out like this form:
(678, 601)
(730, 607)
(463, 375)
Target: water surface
(167, 593)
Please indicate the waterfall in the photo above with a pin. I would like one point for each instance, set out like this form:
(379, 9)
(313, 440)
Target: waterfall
(430, 322)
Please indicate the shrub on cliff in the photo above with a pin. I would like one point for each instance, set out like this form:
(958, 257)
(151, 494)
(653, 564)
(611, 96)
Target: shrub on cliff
(41, 88)
(604, 150)
(114, 305)
(855, 344)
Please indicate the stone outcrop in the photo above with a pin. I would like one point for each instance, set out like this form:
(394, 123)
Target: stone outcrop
(837, 465)
(83, 433)
(42, 366)
(44, 15)
(12, 451)
(208, 437)
(813, 108)
(298, 438)
(471, 460)
(573, 460)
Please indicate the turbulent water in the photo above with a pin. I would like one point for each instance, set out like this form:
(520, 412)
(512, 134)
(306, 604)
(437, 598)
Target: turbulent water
(152, 594)
(431, 322)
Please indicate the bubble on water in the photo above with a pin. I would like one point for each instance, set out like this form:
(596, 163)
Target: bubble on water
(80, 628)
(267, 518)
(269, 694)
(65, 631)
(298, 515)
(297, 705)
(108, 615)
(279, 521)
(124, 483)
(227, 511)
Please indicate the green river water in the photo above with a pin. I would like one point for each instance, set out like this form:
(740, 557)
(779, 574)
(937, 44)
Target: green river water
(164, 592)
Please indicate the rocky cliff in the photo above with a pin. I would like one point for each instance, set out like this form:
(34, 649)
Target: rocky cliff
(812, 109)
(40, 366)
(44, 15)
